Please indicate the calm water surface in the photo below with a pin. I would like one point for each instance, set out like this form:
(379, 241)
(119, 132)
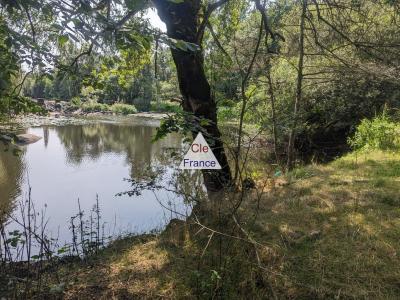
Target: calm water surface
(82, 161)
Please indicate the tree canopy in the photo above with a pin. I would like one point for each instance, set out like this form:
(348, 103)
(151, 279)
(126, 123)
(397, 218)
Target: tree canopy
(305, 71)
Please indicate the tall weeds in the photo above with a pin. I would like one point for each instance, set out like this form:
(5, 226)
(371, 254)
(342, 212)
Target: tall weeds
(28, 252)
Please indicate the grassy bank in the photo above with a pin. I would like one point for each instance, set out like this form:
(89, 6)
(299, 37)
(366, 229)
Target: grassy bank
(324, 231)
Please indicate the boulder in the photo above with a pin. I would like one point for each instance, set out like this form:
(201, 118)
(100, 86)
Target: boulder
(26, 139)
(58, 106)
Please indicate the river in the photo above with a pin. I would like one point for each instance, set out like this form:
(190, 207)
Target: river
(84, 161)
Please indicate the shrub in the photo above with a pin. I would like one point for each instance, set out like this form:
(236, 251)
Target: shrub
(95, 107)
(226, 113)
(166, 106)
(379, 133)
(76, 101)
(124, 109)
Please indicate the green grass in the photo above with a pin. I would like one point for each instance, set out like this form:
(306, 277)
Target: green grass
(354, 204)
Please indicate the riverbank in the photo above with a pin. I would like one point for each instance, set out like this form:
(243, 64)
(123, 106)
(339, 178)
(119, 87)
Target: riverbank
(323, 231)
(56, 119)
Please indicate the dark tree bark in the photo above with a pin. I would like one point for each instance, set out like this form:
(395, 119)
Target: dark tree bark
(182, 20)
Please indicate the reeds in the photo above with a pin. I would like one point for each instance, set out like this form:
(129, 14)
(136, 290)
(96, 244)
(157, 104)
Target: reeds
(27, 251)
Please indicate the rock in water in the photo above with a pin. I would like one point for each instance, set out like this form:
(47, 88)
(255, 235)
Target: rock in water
(26, 139)
(6, 138)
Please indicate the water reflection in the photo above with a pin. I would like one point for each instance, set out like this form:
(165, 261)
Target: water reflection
(11, 171)
(133, 142)
(80, 161)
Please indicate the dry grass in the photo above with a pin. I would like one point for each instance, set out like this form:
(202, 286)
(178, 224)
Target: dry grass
(131, 268)
(331, 232)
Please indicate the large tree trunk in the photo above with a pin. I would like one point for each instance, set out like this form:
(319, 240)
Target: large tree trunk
(183, 24)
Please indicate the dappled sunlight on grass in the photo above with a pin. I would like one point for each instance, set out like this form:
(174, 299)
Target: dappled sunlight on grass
(136, 267)
(139, 266)
(353, 204)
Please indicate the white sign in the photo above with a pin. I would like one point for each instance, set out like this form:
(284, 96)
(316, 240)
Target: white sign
(200, 156)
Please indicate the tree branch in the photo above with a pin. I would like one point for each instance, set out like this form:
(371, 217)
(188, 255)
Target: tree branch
(210, 9)
(31, 23)
(87, 52)
(267, 28)
(209, 26)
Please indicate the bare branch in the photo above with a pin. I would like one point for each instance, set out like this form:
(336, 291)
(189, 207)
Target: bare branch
(267, 28)
(87, 52)
(217, 42)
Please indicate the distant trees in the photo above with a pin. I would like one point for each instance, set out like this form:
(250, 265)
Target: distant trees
(348, 69)
(320, 66)
(127, 77)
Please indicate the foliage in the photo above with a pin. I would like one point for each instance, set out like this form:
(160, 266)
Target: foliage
(379, 133)
(76, 101)
(226, 113)
(19, 105)
(117, 108)
(95, 107)
(10, 101)
(352, 71)
(185, 123)
(166, 106)
(8, 61)
(124, 109)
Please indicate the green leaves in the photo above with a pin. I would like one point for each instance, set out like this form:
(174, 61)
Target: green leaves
(379, 133)
(185, 123)
(181, 44)
(128, 39)
(204, 122)
(135, 5)
(63, 39)
(15, 238)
